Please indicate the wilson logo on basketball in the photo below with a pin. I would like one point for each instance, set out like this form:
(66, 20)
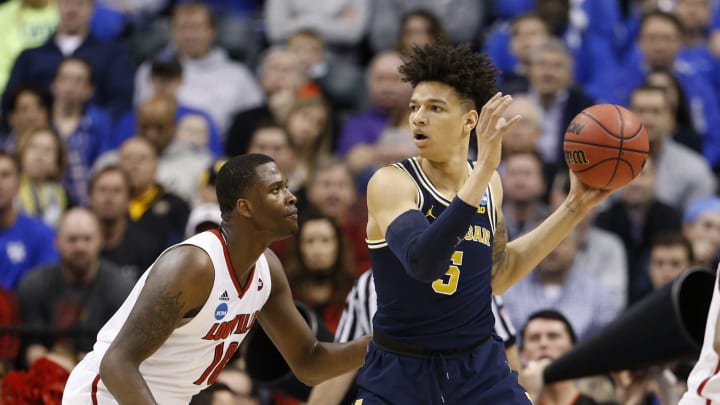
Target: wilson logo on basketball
(575, 128)
(241, 324)
(576, 157)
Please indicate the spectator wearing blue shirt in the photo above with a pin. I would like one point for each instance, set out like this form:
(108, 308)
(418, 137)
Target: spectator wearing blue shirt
(592, 49)
(110, 63)
(659, 43)
(82, 126)
(166, 76)
(25, 242)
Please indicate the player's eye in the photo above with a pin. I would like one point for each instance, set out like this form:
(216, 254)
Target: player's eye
(436, 108)
(413, 107)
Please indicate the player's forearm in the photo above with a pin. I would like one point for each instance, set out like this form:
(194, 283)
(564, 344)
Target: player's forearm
(332, 391)
(328, 360)
(525, 252)
(425, 249)
(124, 381)
(475, 186)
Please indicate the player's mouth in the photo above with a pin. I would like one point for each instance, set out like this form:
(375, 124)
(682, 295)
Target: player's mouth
(293, 214)
(419, 138)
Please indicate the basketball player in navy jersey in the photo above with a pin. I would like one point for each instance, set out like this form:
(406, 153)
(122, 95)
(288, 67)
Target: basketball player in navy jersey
(438, 243)
(190, 310)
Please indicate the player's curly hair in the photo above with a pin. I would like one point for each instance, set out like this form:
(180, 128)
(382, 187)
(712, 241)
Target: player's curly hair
(471, 74)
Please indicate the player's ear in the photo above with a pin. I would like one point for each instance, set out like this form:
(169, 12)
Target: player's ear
(471, 120)
(244, 207)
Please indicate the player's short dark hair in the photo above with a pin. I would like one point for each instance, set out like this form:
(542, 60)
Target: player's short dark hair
(471, 74)
(235, 177)
(551, 314)
(673, 238)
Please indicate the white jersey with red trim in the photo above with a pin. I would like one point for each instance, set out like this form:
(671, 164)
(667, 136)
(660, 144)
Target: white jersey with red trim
(194, 354)
(704, 380)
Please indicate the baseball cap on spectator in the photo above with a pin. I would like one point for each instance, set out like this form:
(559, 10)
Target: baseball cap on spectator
(208, 177)
(202, 218)
(700, 207)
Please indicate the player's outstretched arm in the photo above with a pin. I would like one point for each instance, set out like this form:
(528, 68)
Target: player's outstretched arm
(332, 391)
(311, 361)
(178, 285)
(513, 261)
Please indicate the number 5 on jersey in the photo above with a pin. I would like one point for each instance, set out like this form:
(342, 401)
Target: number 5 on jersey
(448, 283)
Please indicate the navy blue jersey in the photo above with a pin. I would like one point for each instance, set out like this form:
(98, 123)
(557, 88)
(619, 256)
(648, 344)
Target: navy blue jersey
(453, 311)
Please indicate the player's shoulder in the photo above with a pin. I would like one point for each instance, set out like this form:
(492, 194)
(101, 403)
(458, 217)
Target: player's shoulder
(390, 178)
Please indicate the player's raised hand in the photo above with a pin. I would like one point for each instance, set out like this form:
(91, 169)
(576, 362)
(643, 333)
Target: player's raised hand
(491, 128)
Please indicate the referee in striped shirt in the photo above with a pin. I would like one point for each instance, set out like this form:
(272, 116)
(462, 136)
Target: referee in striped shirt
(356, 321)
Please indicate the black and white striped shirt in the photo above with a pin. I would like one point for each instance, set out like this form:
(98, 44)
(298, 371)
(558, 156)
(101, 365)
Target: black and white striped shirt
(361, 304)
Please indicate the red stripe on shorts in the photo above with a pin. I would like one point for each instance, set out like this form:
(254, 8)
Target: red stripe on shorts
(705, 381)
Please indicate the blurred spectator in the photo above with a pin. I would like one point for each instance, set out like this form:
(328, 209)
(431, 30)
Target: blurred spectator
(166, 77)
(462, 19)
(701, 225)
(388, 93)
(635, 217)
(523, 189)
(682, 175)
(556, 284)
(124, 242)
(527, 32)
(28, 109)
(320, 267)
(77, 295)
(601, 253)
(179, 164)
(523, 136)
(82, 126)
(339, 79)
(273, 140)
(25, 242)
(342, 24)
(206, 192)
(193, 130)
(42, 159)
(590, 47)
(418, 28)
(695, 17)
(658, 44)
(551, 86)
(284, 79)
(211, 81)
(545, 336)
(23, 24)
(308, 125)
(684, 132)
(202, 218)
(111, 68)
(151, 205)
(332, 190)
(670, 255)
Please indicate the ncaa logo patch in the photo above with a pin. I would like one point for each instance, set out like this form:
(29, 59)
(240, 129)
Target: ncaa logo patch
(221, 311)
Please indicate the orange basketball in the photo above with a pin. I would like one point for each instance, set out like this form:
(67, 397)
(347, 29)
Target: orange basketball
(606, 146)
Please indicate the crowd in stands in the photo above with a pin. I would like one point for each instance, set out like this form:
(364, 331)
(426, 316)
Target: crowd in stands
(117, 114)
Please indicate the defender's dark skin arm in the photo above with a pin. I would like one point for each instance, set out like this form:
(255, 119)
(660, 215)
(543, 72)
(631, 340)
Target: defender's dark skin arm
(311, 361)
(178, 285)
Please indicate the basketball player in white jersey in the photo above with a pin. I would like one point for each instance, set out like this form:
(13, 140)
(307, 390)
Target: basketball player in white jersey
(191, 309)
(704, 380)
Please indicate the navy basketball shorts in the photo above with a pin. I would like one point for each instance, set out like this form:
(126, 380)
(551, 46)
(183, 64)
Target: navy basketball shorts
(481, 376)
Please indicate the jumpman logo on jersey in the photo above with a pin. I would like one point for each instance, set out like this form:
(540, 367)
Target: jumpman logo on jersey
(429, 213)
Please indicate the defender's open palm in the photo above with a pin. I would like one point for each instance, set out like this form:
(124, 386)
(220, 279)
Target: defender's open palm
(491, 128)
